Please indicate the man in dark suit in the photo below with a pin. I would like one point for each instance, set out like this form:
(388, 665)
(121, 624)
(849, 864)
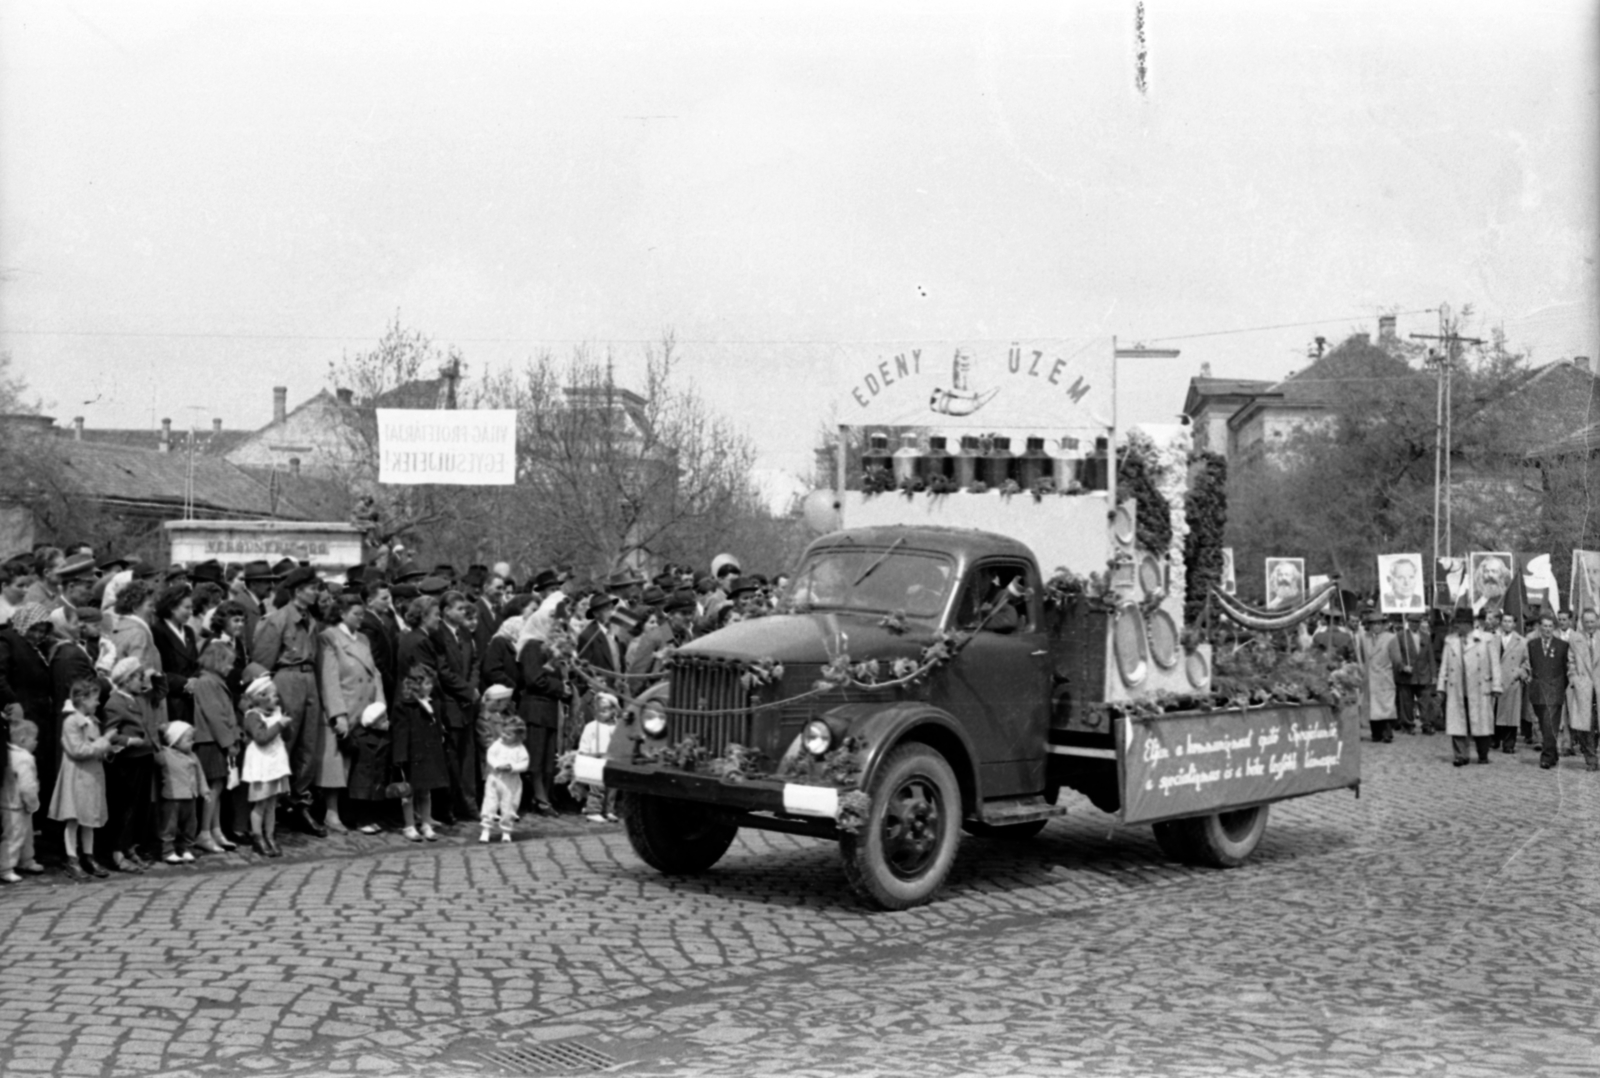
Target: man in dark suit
(382, 630)
(599, 644)
(1548, 658)
(488, 604)
(1411, 654)
(458, 690)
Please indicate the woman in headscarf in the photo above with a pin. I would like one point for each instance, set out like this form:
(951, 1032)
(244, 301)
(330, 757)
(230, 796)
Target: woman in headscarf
(541, 692)
(500, 656)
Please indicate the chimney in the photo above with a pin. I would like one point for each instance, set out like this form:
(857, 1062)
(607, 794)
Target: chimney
(280, 403)
(77, 428)
(216, 425)
(1386, 333)
(294, 465)
(346, 397)
(166, 435)
(1205, 369)
(1582, 363)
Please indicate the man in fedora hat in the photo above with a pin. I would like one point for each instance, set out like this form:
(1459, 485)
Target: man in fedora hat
(250, 591)
(626, 585)
(601, 644)
(286, 645)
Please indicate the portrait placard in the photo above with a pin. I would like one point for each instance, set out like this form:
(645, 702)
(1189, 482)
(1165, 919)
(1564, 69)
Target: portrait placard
(1400, 588)
(1585, 589)
(1488, 579)
(1286, 582)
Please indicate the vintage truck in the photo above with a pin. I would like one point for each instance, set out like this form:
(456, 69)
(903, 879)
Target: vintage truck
(985, 690)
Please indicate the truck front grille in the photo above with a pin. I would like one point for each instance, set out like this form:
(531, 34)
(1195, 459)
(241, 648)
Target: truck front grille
(708, 701)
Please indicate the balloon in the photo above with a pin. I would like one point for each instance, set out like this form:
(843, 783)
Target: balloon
(821, 509)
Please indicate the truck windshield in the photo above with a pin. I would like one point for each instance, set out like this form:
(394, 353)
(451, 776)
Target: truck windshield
(910, 580)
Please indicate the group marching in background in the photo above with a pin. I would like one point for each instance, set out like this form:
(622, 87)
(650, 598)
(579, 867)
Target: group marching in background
(1484, 678)
(156, 714)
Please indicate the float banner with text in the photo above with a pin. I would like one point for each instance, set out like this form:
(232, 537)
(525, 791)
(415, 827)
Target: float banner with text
(1006, 385)
(1200, 762)
(456, 448)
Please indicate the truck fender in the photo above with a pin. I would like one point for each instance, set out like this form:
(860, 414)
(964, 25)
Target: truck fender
(883, 726)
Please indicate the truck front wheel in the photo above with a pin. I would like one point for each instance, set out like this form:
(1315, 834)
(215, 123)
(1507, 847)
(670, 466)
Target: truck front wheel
(1221, 840)
(905, 848)
(675, 837)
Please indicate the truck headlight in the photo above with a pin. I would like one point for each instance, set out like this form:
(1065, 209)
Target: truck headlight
(818, 737)
(653, 717)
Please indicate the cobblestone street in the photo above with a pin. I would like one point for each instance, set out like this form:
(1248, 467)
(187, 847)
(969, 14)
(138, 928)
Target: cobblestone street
(1442, 923)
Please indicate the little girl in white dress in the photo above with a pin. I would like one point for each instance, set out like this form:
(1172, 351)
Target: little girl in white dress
(266, 763)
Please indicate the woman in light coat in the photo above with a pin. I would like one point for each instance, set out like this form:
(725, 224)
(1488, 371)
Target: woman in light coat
(350, 683)
(1469, 686)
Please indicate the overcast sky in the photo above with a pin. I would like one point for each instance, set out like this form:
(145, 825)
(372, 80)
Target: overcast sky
(201, 201)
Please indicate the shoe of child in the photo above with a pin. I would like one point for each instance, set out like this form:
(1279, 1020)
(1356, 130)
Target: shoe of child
(222, 841)
(94, 868)
(75, 872)
(125, 863)
(483, 836)
(429, 833)
(596, 817)
(186, 857)
(173, 859)
(369, 829)
(505, 836)
(32, 868)
(412, 834)
(335, 825)
(612, 817)
(10, 877)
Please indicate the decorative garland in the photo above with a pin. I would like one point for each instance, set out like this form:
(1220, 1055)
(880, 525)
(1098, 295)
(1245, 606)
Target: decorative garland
(1138, 476)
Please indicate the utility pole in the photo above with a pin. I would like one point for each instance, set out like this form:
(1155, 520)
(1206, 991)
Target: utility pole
(1444, 366)
(452, 375)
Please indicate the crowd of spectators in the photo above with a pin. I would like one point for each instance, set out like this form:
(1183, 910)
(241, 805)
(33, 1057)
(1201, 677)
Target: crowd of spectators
(159, 713)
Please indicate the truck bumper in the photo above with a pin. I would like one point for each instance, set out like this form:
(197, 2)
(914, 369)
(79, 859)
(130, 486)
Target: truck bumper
(751, 795)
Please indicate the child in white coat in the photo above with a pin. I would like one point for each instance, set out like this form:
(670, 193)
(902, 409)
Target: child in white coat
(502, 791)
(19, 800)
(599, 804)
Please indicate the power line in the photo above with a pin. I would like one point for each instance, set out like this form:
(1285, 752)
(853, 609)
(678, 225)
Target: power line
(1280, 325)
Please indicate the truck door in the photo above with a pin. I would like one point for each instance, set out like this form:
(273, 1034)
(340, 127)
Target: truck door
(999, 686)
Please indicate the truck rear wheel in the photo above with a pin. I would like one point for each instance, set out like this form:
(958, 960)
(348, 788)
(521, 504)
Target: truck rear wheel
(1221, 840)
(675, 837)
(905, 849)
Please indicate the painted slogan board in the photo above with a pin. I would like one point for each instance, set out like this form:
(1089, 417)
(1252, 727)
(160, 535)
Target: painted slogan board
(464, 447)
(1201, 762)
(1000, 386)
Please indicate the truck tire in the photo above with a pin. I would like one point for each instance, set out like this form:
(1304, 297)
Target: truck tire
(675, 837)
(1221, 840)
(904, 850)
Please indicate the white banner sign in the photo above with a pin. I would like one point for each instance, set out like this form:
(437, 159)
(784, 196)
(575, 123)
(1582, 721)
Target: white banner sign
(458, 448)
(1040, 385)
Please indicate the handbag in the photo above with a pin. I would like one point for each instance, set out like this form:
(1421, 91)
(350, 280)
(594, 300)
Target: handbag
(396, 790)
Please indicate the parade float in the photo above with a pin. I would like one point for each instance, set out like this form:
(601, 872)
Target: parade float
(975, 631)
